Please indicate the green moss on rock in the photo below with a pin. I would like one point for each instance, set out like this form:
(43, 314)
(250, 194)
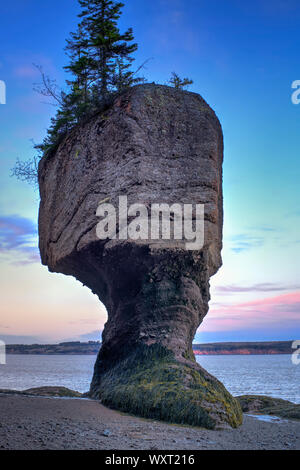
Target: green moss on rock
(53, 392)
(151, 383)
(260, 404)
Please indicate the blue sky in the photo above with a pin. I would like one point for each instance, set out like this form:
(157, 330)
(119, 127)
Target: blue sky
(243, 58)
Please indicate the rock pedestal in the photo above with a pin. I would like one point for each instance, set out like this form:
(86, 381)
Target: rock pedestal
(154, 145)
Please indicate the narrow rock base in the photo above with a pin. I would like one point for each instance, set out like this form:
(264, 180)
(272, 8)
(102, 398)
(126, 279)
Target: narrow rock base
(150, 382)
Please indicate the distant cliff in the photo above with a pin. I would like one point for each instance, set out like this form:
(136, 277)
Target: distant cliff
(73, 347)
(92, 347)
(265, 347)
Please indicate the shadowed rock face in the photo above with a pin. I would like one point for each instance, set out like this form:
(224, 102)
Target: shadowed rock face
(154, 145)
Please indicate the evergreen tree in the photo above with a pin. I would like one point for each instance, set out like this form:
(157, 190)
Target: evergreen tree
(100, 59)
(179, 83)
(80, 65)
(100, 55)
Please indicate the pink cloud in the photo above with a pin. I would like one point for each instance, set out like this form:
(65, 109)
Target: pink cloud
(26, 71)
(282, 310)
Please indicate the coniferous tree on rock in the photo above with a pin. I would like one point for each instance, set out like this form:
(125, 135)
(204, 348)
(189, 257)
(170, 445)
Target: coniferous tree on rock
(100, 59)
(99, 52)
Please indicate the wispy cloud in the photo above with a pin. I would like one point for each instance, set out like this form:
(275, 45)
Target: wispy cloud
(20, 339)
(244, 242)
(269, 313)
(18, 239)
(23, 63)
(265, 228)
(91, 336)
(261, 287)
(26, 71)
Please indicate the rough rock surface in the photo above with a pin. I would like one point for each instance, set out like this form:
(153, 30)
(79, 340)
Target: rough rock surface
(154, 145)
(260, 404)
(44, 392)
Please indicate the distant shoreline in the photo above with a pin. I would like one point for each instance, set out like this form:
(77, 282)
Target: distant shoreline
(207, 349)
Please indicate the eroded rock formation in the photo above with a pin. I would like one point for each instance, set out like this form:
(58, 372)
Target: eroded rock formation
(154, 145)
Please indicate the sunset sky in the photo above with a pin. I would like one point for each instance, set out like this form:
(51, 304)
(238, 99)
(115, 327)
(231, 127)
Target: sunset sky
(243, 58)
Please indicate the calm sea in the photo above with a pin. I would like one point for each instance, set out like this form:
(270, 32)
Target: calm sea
(273, 375)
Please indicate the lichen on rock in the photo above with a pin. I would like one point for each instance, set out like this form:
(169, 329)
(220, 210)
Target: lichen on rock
(154, 145)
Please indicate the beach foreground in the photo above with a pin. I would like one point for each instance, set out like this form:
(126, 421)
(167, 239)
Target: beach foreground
(66, 423)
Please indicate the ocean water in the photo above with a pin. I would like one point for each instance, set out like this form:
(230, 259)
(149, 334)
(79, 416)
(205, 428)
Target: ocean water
(273, 375)
(27, 371)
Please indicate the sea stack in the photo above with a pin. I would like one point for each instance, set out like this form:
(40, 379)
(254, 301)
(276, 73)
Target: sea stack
(154, 144)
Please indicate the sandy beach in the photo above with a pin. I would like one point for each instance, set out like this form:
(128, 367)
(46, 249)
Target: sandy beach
(66, 423)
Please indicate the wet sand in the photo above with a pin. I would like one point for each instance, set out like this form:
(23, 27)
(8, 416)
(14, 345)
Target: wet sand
(65, 423)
